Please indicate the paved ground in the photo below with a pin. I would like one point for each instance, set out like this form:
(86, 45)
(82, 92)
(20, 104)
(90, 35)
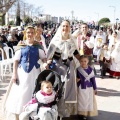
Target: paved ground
(3, 88)
(108, 98)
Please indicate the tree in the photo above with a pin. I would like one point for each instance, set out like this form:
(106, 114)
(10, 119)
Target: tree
(11, 22)
(23, 10)
(104, 21)
(28, 20)
(5, 5)
(18, 20)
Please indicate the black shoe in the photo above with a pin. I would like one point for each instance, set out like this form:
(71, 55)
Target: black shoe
(110, 76)
(82, 117)
(101, 77)
(58, 118)
(66, 118)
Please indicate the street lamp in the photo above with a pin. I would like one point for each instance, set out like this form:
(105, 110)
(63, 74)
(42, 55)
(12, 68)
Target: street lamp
(114, 11)
(117, 23)
(117, 20)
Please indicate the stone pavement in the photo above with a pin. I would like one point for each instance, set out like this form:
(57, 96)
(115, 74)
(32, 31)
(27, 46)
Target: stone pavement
(108, 98)
(3, 87)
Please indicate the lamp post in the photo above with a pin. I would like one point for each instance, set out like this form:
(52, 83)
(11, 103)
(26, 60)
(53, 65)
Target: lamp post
(114, 11)
(117, 23)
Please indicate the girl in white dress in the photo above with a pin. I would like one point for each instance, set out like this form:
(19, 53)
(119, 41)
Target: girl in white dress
(86, 89)
(112, 41)
(115, 61)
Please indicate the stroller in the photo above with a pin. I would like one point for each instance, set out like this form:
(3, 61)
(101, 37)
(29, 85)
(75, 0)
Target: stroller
(53, 77)
(57, 84)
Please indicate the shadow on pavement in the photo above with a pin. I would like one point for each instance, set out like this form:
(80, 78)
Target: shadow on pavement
(102, 115)
(2, 92)
(107, 92)
(105, 115)
(6, 81)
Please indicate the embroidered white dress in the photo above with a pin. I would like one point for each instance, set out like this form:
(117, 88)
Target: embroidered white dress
(65, 49)
(115, 61)
(86, 87)
(20, 94)
(99, 41)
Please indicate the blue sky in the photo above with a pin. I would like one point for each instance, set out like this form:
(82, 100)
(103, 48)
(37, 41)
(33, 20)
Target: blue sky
(83, 9)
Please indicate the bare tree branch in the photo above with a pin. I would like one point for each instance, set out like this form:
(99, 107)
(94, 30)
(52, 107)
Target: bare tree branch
(5, 5)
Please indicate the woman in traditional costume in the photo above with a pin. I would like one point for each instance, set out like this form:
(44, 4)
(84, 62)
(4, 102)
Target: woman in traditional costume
(115, 61)
(113, 40)
(25, 71)
(61, 50)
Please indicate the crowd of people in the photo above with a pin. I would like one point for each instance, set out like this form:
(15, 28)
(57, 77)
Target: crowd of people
(73, 49)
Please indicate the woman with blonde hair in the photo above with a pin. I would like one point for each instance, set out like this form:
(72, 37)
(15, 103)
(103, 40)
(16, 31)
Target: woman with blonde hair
(25, 71)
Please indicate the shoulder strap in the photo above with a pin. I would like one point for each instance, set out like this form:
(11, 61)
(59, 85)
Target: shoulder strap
(38, 45)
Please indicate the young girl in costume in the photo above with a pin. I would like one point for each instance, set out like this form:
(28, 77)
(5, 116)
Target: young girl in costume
(25, 71)
(43, 105)
(87, 89)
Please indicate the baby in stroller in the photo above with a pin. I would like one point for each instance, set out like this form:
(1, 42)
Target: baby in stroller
(43, 106)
